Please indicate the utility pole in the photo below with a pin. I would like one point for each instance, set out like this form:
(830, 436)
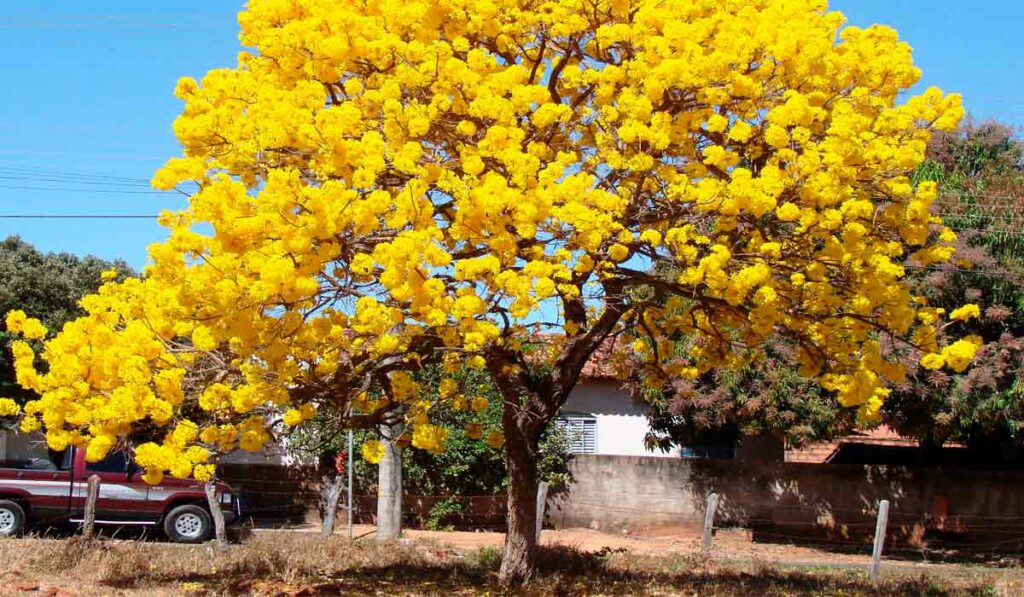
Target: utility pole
(350, 484)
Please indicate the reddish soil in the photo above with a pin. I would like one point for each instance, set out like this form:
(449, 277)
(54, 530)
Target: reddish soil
(727, 544)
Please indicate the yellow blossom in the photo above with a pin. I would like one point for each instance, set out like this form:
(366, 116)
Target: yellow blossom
(966, 312)
(8, 407)
(495, 439)
(373, 451)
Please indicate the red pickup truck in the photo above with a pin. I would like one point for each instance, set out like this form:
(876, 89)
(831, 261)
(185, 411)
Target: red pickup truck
(42, 491)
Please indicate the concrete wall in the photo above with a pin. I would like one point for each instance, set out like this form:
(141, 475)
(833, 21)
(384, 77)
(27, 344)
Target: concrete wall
(835, 503)
(621, 421)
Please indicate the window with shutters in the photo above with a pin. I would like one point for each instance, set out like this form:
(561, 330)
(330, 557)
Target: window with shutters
(582, 432)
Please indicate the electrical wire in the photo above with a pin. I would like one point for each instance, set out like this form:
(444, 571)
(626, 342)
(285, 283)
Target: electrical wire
(78, 190)
(77, 217)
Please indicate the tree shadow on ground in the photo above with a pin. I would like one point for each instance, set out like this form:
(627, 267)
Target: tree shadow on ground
(562, 571)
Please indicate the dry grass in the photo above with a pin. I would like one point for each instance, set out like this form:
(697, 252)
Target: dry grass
(286, 563)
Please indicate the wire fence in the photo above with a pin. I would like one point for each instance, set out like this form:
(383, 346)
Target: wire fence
(948, 524)
(912, 530)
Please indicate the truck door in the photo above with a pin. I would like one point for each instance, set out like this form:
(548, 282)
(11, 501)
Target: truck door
(122, 496)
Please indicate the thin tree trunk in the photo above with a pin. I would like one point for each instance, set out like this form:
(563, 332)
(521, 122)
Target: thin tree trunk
(520, 558)
(220, 530)
(331, 487)
(389, 489)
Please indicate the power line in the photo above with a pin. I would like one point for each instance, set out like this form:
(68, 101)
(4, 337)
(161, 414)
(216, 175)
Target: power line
(96, 22)
(108, 183)
(981, 205)
(966, 196)
(77, 217)
(74, 190)
(980, 216)
(20, 170)
(120, 155)
(939, 268)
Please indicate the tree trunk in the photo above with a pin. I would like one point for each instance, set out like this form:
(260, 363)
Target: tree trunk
(520, 558)
(331, 494)
(220, 531)
(389, 489)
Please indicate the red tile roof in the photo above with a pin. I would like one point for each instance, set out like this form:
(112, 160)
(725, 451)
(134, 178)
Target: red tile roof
(820, 452)
(599, 365)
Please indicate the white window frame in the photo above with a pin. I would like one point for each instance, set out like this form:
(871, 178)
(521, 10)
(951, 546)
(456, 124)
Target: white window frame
(578, 424)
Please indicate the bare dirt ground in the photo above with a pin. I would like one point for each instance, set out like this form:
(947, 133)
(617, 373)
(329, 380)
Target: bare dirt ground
(728, 544)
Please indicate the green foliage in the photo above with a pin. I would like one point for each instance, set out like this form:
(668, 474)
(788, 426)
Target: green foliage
(487, 558)
(981, 175)
(467, 466)
(768, 396)
(980, 172)
(444, 511)
(46, 286)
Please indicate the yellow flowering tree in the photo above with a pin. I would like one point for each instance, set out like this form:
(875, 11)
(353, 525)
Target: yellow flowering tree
(392, 181)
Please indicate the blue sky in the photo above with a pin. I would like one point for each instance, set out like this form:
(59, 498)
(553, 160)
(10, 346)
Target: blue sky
(87, 91)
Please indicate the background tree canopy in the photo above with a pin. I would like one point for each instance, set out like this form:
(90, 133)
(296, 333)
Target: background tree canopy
(46, 286)
(980, 169)
(980, 172)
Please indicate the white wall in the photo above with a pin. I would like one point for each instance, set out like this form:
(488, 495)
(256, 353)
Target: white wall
(621, 421)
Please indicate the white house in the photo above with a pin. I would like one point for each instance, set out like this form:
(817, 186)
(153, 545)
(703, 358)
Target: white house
(605, 419)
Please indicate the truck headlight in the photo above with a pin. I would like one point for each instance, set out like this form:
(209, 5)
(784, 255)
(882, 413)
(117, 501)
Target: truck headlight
(225, 498)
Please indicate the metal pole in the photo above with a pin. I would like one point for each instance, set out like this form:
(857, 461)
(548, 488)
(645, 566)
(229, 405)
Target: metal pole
(880, 526)
(709, 522)
(350, 484)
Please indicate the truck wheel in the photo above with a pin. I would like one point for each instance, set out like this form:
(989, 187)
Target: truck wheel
(12, 518)
(188, 524)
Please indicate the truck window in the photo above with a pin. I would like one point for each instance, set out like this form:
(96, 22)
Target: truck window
(115, 462)
(67, 460)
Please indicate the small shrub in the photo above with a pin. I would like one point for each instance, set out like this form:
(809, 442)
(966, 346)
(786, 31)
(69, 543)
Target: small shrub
(486, 558)
(441, 514)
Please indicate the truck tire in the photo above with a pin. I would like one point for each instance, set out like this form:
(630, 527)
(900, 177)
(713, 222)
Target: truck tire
(188, 524)
(12, 519)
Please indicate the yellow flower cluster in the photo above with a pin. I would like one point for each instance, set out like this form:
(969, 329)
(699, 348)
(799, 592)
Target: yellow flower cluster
(957, 356)
(9, 408)
(966, 312)
(383, 182)
(373, 451)
(19, 323)
(430, 438)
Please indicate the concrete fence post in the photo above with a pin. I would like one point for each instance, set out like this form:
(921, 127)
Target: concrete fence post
(542, 500)
(92, 493)
(880, 529)
(709, 522)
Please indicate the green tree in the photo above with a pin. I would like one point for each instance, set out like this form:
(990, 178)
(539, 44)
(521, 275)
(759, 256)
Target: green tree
(467, 467)
(980, 170)
(767, 396)
(46, 286)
